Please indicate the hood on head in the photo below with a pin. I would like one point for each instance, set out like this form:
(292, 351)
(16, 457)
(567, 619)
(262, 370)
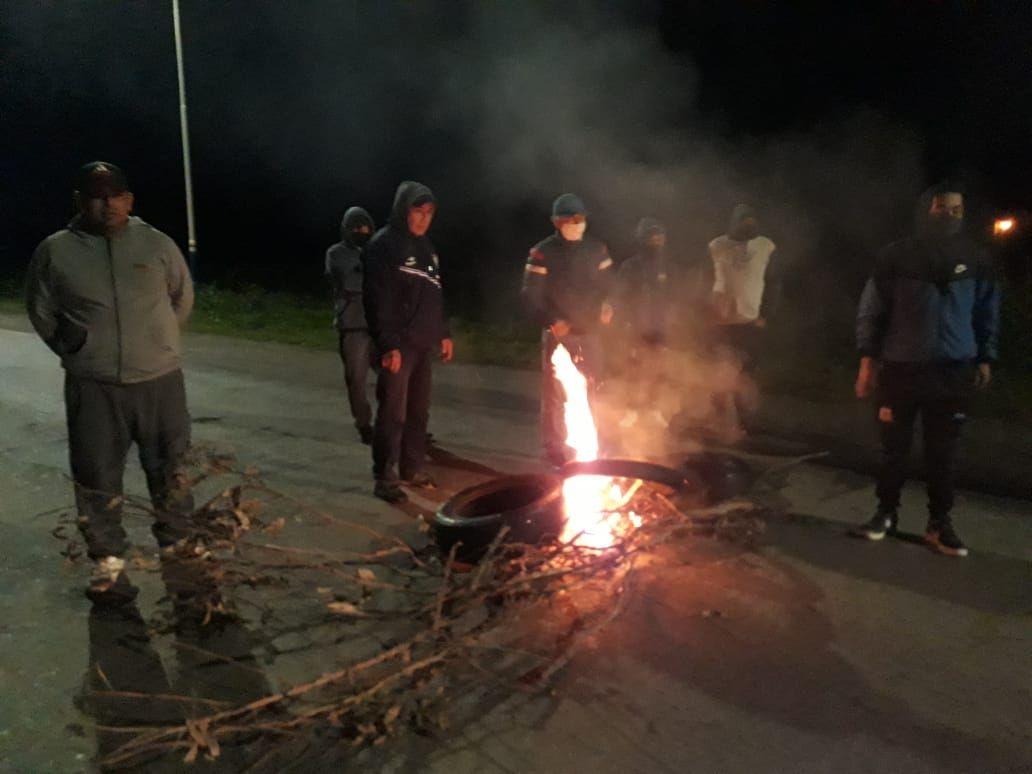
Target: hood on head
(353, 218)
(646, 228)
(923, 222)
(408, 194)
(739, 214)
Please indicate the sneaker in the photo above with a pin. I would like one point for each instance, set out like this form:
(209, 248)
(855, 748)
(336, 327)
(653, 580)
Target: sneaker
(365, 435)
(940, 536)
(106, 571)
(422, 481)
(881, 524)
(109, 582)
(390, 492)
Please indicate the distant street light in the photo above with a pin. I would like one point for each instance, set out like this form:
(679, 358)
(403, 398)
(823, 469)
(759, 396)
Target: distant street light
(1003, 226)
(191, 232)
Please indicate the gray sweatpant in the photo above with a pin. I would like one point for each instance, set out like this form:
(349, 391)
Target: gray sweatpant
(355, 350)
(103, 422)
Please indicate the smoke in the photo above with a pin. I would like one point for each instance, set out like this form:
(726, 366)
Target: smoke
(300, 110)
(595, 103)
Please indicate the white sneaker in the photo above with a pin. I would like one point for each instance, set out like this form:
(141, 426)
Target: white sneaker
(106, 571)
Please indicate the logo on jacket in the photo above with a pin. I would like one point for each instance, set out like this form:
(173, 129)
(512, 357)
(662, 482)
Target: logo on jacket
(411, 261)
(960, 268)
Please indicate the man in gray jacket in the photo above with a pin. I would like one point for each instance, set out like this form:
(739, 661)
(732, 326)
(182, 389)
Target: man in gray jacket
(108, 294)
(345, 271)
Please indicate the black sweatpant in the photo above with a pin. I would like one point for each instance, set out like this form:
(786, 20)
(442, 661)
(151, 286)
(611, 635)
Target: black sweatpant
(941, 394)
(354, 347)
(402, 414)
(103, 422)
(586, 350)
(745, 341)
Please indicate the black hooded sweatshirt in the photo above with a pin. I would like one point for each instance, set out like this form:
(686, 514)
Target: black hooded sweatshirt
(404, 305)
(643, 286)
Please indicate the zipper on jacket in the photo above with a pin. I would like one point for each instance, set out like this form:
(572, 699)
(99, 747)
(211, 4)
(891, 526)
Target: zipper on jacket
(114, 296)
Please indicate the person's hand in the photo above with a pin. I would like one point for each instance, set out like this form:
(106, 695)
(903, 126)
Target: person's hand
(560, 329)
(983, 376)
(606, 316)
(391, 361)
(447, 350)
(867, 377)
(760, 322)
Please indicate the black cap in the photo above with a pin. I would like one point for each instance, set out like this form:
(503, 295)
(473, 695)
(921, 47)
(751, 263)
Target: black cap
(100, 177)
(568, 205)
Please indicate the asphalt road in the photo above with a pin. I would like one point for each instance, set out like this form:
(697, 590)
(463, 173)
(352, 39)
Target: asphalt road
(810, 653)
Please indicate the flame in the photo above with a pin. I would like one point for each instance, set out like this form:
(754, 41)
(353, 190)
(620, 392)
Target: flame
(589, 502)
(1003, 226)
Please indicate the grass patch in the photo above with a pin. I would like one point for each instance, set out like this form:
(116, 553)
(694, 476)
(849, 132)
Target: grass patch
(256, 314)
(11, 305)
(831, 380)
(306, 321)
(260, 315)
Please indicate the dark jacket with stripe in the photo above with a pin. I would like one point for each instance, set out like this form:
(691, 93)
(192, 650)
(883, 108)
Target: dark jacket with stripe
(404, 304)
(930, 300)
(565, 280)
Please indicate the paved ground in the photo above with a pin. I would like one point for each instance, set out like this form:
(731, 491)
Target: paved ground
(823, 653)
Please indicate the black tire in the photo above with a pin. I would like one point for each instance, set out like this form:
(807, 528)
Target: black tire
(531, 506)
(683, 480)
(723, 475)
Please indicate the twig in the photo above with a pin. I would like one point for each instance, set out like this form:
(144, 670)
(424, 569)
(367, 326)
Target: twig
(161, 696)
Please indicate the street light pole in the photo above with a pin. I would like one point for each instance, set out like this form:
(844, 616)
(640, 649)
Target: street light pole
(184, 132)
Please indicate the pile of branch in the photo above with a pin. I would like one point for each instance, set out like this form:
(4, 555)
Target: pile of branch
(432, 628)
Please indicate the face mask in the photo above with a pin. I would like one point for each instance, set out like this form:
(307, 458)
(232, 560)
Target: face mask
(746, 232)
(573, 232)
(945, 225)
(359, 238)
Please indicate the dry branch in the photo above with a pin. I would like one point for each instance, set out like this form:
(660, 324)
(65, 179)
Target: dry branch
(455, 627)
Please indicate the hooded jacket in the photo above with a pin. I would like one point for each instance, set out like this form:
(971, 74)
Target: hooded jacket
(404, 305)
(643, 286)
(344, 269)
(565, 280)
(930, 298)
(111, 307)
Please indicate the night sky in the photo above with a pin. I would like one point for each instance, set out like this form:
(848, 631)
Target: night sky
(831, 117)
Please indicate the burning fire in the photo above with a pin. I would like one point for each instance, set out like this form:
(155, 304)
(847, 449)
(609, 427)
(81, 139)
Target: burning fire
(590, 502)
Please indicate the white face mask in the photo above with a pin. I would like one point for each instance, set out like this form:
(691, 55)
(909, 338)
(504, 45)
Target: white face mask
(573, 232)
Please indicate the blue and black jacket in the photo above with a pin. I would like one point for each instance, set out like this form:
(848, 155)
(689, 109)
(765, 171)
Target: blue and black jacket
(930, 299)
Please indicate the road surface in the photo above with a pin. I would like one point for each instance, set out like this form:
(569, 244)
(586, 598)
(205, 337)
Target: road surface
(812, 653)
